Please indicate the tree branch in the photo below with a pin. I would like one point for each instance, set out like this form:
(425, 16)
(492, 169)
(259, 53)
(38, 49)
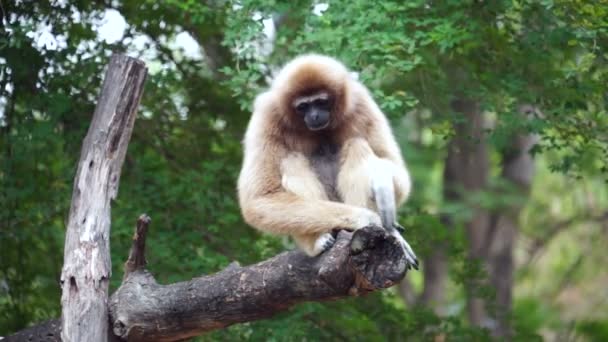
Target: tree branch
(137, 254)
(143, 310)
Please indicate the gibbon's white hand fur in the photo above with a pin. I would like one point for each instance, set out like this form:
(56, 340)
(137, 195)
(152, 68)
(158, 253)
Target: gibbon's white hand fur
(320, 156)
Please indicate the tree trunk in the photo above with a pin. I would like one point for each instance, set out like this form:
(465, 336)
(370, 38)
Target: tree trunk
(86, 269)
(518, 169)
(466, 172)
(435, 272)
(491, 239)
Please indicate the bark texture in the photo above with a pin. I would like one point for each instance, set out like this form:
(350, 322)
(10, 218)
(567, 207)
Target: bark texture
(143, 310)
(86, 269)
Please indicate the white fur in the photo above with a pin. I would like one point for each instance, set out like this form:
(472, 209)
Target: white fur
(298, 177)
(323, 242)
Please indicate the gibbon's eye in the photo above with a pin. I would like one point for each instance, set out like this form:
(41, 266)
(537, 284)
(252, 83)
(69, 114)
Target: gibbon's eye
(302, 107)
(322, 103)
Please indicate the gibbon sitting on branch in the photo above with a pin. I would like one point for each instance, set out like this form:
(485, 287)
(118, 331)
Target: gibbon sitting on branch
(320, 156)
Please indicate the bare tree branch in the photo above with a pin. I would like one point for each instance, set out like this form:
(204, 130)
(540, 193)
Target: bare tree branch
(137, 254)
(360, 262)
(143, 310)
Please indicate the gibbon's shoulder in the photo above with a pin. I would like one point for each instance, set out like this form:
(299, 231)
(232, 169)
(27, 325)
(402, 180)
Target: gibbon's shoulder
(264, 102)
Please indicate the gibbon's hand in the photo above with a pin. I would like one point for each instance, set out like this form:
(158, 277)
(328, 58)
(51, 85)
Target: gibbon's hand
(366, 217)
(383, 190)
(383, 193)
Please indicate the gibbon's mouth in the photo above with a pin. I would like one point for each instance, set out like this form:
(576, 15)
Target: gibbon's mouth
(320, 127)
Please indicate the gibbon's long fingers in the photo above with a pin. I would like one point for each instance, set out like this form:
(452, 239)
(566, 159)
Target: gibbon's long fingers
(287, 213)
(385, 202)
(384, 194)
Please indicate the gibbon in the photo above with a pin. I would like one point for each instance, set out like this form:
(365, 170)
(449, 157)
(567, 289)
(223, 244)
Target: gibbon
(319, 155)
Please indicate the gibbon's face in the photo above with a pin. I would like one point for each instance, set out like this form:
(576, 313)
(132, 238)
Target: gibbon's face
(315, 109)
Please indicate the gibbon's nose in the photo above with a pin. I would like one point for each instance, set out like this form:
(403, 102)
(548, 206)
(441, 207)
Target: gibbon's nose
(316, 119)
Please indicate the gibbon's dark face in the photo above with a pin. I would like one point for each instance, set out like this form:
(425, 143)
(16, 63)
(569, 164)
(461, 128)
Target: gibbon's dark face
(315, 109)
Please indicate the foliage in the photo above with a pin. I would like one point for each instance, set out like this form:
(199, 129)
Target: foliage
(185, 153)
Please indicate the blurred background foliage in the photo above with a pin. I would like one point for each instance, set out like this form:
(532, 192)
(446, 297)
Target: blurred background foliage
(499, 106)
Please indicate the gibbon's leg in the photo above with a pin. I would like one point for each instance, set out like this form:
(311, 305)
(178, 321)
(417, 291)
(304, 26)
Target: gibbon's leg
(298, 178)
(368, 181)
(354, 182)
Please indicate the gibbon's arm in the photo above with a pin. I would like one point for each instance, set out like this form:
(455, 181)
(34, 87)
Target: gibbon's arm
(286, 213)
(268, 205)
(384, 145)
(280, 211)
(383, 156)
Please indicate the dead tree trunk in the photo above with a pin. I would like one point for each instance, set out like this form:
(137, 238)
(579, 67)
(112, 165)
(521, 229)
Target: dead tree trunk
(143, 310)
(87, 269)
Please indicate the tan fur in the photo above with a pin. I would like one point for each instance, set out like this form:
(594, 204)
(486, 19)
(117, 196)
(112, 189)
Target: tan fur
(297, 177)
(279, 191)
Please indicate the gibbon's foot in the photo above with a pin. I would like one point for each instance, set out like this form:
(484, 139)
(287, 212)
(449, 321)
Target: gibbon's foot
(323, 243)
(410, 256)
